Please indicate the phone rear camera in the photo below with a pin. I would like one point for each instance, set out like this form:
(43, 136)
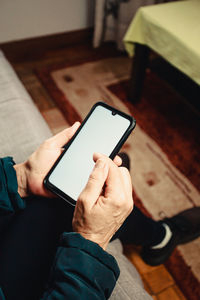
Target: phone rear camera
(114, 113)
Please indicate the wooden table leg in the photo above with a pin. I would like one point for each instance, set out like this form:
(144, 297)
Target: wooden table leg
(139, 64)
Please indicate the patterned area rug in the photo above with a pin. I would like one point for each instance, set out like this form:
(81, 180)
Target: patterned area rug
(164, 148)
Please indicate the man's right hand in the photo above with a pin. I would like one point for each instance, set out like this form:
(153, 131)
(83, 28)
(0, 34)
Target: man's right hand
(105, 202)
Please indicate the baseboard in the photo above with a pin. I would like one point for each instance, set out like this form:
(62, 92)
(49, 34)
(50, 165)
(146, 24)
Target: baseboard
(32, 48)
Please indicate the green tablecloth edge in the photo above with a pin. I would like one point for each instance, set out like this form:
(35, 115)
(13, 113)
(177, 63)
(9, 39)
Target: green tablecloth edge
(136, 26)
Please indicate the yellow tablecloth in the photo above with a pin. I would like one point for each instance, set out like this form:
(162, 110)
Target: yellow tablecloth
(173, 31)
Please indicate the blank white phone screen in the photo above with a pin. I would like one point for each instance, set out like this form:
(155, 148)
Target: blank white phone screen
(101, 133)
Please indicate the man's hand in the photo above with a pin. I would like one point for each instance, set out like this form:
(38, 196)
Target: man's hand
(105, 202)
(30, 174)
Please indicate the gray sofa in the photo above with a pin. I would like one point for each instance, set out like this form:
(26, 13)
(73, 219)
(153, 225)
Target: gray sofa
(22, 129)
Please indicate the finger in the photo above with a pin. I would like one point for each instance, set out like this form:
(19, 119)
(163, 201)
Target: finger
(117, 160)
(126, 179)
(95, 183)
(111, 164)
(98, 155)
(64, 136)
(127, 185)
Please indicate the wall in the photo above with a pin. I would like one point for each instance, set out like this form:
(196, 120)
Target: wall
(20, 19)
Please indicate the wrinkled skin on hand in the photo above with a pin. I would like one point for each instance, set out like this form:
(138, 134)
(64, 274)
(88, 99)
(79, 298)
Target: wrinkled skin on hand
(31, 174)
(105, 202)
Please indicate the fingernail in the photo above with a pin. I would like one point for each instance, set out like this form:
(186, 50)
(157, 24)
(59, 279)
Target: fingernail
(74, 125)
(100, 164)
(98, 154)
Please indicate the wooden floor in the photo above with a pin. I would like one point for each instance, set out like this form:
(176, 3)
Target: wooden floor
(157, 280)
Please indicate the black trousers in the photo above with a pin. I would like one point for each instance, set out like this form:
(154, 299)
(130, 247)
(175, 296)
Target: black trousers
(28, 244)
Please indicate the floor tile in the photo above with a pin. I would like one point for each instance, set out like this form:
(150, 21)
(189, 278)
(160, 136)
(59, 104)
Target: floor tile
(133, 254)
(158, 279)
(170, 294)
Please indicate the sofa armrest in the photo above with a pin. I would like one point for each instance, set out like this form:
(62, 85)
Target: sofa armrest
(22, 128)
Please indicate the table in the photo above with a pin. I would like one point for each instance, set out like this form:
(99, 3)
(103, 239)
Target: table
(173, 31)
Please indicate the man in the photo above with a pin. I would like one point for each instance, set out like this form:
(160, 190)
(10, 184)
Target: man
(32, 220)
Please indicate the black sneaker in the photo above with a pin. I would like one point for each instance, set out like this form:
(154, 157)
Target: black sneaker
(185, 227)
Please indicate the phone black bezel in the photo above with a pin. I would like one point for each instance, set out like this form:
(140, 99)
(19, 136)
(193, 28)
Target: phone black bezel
(56, 190)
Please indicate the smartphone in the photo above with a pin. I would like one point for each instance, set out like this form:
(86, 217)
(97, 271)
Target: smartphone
(104, 130)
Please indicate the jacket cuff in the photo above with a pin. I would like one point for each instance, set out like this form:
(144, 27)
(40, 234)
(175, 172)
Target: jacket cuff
(10, 200)
(75, 240)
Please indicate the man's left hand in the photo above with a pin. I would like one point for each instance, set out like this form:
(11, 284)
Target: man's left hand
(31, 174)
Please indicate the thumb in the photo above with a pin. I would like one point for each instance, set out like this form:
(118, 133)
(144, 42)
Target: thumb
(95, 183)
(64, 136)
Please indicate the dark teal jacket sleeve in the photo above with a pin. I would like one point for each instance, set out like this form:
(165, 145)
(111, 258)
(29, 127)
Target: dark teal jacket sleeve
(2, 295)
(10, 200)
(82, 270)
